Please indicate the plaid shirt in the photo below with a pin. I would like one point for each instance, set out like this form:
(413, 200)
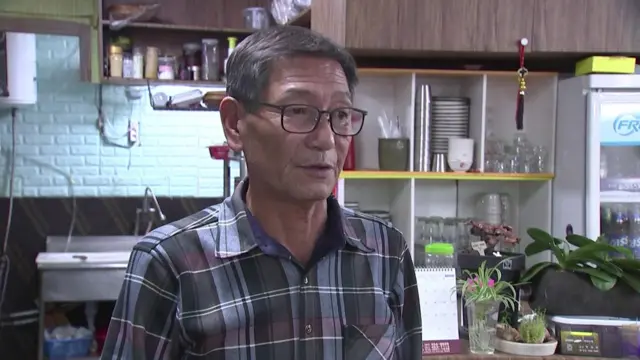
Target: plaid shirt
(201, 288)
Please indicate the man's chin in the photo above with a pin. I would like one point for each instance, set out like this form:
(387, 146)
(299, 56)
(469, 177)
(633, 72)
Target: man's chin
(312, 192)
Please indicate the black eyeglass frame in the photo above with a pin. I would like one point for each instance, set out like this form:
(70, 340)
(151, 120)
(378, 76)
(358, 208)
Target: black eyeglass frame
(321, 112)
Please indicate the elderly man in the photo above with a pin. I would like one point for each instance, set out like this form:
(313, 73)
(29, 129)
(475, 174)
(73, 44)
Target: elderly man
(279, 270)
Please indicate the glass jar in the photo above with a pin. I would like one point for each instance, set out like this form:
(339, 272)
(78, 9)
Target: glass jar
(192, 55)
(127, 66)
(151, 63)
(210, 60)
(166, 67)
(115, 61)
(439, 255)
(138, 63)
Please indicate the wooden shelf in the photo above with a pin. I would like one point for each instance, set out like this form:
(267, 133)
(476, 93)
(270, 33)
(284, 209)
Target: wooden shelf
(436, 72)
(302, 19)
(405, 175)
(144, 82)
(186, 28)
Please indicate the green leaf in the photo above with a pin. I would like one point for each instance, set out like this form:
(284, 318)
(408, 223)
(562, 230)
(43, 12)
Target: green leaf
(632, 280)
(594, 273)
(536, 247)
(609, 267)
(589, 252)
(541, 235)
(627, 253)
(603, 285)
(536, 269)
(628, 265)
(578, 240)
(558, 242)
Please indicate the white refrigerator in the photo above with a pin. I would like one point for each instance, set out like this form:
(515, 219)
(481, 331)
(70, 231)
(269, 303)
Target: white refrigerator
(596, 191)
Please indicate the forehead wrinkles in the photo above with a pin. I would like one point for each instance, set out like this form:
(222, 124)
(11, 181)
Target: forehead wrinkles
(305, 77)
(307, 69)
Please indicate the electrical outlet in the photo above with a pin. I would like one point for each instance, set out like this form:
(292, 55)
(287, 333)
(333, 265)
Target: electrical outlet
(134, 134)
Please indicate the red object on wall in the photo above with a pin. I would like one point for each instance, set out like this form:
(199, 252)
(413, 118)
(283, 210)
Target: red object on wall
(350, 161)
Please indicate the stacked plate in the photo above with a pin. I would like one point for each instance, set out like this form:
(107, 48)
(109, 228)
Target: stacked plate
(449, 118)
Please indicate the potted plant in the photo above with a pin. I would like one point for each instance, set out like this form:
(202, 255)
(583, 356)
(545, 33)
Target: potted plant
(531, 338)
(595, 279)
(492, 235)
(482, 298)
(484, 250)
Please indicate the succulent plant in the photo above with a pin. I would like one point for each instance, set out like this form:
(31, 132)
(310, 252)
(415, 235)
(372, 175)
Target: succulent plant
(533, 328)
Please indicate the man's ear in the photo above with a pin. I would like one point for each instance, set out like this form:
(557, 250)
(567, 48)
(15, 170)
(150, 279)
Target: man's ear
(231, 113)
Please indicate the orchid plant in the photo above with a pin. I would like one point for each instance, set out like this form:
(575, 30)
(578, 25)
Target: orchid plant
(485, 285)
(493, 235)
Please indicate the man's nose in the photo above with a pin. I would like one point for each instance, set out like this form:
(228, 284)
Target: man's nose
(322, 138)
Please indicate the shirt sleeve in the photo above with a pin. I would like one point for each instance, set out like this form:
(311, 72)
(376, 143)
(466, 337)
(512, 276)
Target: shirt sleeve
(143, 319)
(408, 317)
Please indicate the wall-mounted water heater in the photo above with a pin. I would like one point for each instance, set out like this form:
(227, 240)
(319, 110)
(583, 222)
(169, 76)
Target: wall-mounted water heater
(20, 69)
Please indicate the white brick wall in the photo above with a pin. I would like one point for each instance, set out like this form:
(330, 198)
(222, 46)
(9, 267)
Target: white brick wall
(59, 152)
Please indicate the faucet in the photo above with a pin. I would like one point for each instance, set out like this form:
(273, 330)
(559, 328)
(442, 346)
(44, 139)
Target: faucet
(147, 211)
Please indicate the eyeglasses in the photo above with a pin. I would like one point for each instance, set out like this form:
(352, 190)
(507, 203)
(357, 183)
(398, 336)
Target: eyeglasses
(303, 119)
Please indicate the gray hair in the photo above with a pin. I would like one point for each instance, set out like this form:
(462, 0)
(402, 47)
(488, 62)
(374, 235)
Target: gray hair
(248, 67)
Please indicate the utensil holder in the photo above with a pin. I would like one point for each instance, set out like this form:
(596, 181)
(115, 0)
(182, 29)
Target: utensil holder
(393, 154)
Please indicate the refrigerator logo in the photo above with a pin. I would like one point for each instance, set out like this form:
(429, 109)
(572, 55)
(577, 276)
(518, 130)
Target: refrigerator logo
(626, 124)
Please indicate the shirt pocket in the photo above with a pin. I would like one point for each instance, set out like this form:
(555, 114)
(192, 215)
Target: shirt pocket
(369, 342)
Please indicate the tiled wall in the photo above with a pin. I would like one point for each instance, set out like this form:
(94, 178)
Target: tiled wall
(60, 153)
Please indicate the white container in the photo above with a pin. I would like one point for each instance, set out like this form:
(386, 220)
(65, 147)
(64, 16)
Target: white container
(460, 154)
(596, 334)
(21, 70)
(522, 349)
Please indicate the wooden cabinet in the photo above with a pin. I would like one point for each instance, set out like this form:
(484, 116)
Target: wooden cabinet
(218, 14)
(427, 25)
(410, 27)
(4, 76)
(586, 26)
(502, 23)
(70, 10)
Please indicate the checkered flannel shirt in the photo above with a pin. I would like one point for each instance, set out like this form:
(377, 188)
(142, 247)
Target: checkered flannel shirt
(200, 288)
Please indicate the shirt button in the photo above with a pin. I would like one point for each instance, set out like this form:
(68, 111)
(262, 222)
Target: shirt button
(306, 280)
(308, 329)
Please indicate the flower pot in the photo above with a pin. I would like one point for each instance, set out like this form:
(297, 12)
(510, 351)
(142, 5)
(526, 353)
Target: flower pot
(510, 271)
(566, 293)
(516, 348)
(483, 319)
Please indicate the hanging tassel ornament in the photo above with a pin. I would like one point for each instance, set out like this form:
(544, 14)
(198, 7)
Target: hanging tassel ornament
(522, 85)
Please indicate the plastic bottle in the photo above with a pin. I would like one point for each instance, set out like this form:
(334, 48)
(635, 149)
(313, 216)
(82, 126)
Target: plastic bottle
(233, 41)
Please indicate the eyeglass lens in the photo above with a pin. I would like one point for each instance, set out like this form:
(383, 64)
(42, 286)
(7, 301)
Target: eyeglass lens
(303, 118)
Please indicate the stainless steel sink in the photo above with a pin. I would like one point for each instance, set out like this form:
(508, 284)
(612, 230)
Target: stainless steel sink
(86, 268)
(91, 243)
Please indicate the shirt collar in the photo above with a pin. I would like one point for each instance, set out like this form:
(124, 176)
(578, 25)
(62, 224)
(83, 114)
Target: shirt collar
(236, 236)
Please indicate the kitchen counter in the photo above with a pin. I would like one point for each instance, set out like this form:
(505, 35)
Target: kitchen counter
(506, 357)
(467, 355)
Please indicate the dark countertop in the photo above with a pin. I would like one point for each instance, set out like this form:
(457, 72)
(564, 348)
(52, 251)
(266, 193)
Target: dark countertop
(467, 355)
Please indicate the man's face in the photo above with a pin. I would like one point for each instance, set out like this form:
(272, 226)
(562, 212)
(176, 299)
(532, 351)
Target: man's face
(301, 167)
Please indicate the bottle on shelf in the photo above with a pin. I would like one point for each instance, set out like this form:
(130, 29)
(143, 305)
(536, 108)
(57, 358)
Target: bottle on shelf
(138, 63)
(151, 63)
(115, 61)
(210, 62)
(233, 41)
